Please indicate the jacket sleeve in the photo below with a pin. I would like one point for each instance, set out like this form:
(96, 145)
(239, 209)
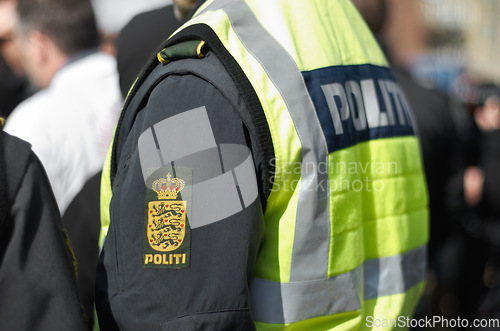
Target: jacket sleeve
(182, 261)
(37, 272)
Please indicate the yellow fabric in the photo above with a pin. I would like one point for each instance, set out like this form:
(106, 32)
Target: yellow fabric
(274, 260)
(106, 194)
(310, 45)
(377, 191)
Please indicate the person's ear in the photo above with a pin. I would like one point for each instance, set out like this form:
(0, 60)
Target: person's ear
(40, 47)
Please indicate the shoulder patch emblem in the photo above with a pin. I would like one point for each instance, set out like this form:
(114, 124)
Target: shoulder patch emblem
(167, 234)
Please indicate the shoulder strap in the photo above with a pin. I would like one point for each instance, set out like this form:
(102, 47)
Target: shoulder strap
(169, 51)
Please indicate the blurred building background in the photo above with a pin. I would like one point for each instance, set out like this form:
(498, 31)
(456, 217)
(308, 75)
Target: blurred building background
(454, 46)
(439, 40)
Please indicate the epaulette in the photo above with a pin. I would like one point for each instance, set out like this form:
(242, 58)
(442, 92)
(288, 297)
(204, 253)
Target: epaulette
(192, 49)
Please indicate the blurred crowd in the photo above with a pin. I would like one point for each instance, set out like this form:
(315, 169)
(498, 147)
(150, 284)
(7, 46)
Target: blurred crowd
(460, 141)
(61, 90)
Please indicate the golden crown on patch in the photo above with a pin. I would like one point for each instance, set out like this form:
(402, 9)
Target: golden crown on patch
(168, 188)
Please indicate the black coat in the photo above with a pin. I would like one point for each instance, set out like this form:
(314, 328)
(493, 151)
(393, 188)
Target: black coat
(37, 270)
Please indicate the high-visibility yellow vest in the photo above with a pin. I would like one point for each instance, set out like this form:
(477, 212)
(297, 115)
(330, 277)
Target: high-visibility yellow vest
(347, 217)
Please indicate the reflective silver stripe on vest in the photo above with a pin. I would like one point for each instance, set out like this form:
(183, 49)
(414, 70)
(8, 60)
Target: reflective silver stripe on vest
(309, 257)
(282, 303)
(294, 302)
(394, 274)
(223, 175)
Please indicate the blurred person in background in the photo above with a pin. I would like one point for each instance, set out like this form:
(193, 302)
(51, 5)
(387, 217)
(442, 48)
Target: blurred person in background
(70, 121)
(37, 272)
(143, 35)
(447, 135)
(482, 193)
(14, 85)
(112, 15)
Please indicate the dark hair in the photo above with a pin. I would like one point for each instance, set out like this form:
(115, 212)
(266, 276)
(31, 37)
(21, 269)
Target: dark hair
(69, 23)
(374, 12)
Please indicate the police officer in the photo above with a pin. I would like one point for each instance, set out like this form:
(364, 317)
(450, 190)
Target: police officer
(265, 173)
